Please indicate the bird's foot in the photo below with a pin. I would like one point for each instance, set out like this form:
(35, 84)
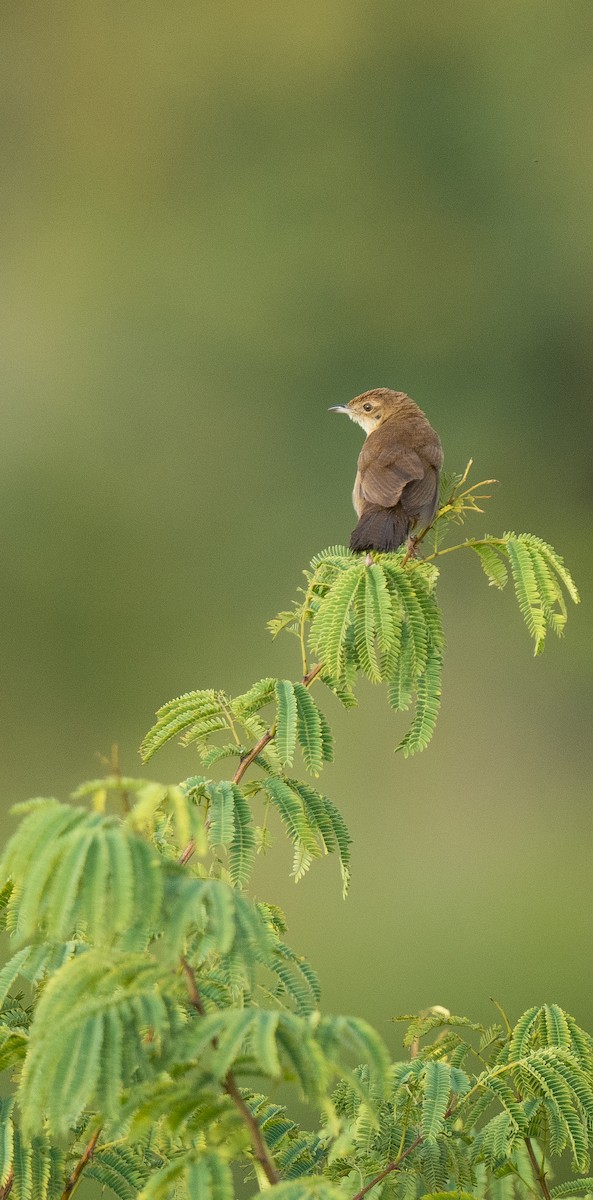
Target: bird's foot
(369, 560)
(411, 544)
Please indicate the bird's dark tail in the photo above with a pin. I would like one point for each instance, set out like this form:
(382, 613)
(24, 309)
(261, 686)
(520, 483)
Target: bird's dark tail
(380, 529)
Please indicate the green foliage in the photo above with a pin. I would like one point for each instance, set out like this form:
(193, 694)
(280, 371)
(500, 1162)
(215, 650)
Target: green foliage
(449, 1127)
(146, 993)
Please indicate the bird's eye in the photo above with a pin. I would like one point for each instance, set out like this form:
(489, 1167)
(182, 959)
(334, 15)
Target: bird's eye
(368, 407)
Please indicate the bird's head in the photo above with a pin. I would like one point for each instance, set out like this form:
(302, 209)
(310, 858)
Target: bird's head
(371, 408)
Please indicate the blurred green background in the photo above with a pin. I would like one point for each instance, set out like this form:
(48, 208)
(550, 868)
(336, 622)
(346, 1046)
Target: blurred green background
(219, 218)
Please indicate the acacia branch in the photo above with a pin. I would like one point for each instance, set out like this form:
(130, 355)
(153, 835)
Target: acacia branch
(538, 1170)
(6, 1188)
(392, 1166)
(85, 1157)
(250, 757)
(266, 737)
(396, 1162)
(258, 1145)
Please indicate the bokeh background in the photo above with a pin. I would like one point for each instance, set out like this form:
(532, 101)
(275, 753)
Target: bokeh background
(219, 218)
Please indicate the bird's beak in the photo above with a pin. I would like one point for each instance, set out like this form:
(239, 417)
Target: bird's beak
(338, 408)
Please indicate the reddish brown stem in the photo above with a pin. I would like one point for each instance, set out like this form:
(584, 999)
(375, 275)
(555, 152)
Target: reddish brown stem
(392, 1166)
(6, 1188)
(396, 1163)
(85, 1157)
(538, 1170)
(246, 762)
(258, 1145)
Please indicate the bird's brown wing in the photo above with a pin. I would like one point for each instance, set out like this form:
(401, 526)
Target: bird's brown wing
(383, 478)
(420, 496)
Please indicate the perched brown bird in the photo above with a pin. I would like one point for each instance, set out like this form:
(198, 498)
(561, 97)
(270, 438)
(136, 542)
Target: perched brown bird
(397, 483)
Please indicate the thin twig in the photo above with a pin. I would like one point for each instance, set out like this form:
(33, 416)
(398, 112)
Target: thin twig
(258, 1145)
(85, 1157)
(538, 1170)
(396, 1163)
(6, 1188)
(246, 762)
(392, 1166)
(269, 734)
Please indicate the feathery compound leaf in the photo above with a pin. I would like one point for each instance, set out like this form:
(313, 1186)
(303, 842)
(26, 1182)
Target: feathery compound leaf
(284, 620)
(428, 703)
(195, 1175)
(365, 625)
(551, 595)
(406, 599)
(430, 609)
(492, 564)
(556, 1026)
(310, 730)
(250, 702)
(286, 721)
(526, 590)
(179, 716)
(507, 1098)
(74, 1059)
(326, 818)
(6, 1139)
(292, 811)
(307, 1187)
(221, 814)
(331, 623)
(242, 847)
(377, 590)
(572, 1186)
(11, 971)
(555, 562)
(120, 1169)
(493, 1143)
(63, 859)
(435, 1018)
(435, 1101)
(402, 682)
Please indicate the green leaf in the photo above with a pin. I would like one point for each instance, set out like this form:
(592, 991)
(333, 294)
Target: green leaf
(286, 721)
(326, 818)
(11, 971)
(221, 827)
(405, 597)
(65, 860)
(555, 561)
(242, 847)
(181, 716)
(196, 1175)
(428, 703)
(526, 590)
(402, 682)
(120, 1169)
(310, 729)
(365, 627)
(492, 564)
(331, 623)
(556, 1026)
(6, 1138)
(292, 812)
(572, 1186)
(435, 1100)
(256, 698)
(73, 1032)
(307, 1187)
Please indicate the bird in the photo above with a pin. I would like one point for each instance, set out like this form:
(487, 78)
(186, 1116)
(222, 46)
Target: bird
(397, 482)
